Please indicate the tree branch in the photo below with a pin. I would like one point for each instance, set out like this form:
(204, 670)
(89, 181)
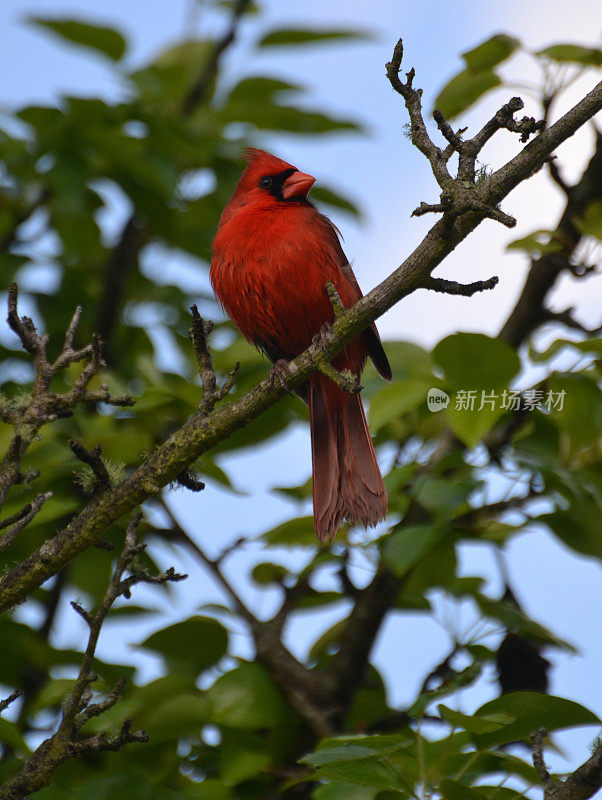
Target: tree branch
(198, 92)
(302, 687)
(69, 742)
(530, 310)
(581, 784)
(9, 537)
(94, 461)
(464, 289)
(4, 704)
(198, 333)
(27, 415)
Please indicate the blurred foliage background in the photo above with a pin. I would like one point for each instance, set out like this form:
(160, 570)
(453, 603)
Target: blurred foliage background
(222, 727)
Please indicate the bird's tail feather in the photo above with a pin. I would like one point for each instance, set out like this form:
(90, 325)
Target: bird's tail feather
(347, 484)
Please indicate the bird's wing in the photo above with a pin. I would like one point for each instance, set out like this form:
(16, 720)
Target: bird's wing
(370, 336)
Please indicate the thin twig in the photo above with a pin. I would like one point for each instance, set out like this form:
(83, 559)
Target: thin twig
(9, 537)
(94, 461)
(537, 740)
(212, 395)
(212, 564)
(464, 289)
(4, 704)
(198, 93)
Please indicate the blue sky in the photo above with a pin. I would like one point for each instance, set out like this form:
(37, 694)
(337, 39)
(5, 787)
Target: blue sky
(388, 178)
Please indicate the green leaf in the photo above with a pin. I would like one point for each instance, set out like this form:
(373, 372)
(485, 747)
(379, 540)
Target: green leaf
(585, 346)
(582, 400)
(473, 724)
(446, 495)
(436, 568)
(298, 493)
(477, 367)
(409, 360)
(463, 90)
(198, 641)
(175, 717)
(499, 793)
(340, 790)
(245, 697)
(528, 711)
(297, 532)
(277, 117)
(538, 242)
(474, 766)
(574, 53)
(314, 599)
(301, 36)
(259, 89)
(577, 528)
(405, 547)
(514, 619)
(590, 222)
(94, 37)
(164, 83)
(490, 53)
(396, 399)
(476, 361)
(11, 736)
(267, 573)
(454, 790)
(333, 755)
(368, 771)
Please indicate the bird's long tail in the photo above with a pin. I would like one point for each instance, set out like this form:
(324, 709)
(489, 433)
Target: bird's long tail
(347, 484)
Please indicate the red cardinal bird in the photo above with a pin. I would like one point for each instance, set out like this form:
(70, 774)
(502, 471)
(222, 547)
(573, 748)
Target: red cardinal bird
(272, 256)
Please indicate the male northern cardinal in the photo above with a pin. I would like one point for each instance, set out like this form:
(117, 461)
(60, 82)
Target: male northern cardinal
(272, 256)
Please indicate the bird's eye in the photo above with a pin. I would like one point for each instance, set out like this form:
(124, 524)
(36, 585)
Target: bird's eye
(265, 182)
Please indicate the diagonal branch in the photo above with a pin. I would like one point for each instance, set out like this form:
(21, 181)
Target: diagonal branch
(4, 704)
(198, 92)
(32, 509)
(302, 687)
(530, 310)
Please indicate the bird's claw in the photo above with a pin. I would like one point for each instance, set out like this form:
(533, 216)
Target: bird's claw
(323, 338)
(278, 373)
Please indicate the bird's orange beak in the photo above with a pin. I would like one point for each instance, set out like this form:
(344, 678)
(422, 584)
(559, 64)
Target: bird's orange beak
(298, 185)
